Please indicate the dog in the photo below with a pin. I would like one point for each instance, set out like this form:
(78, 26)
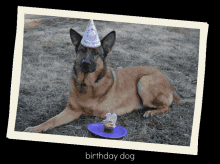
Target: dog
(97, 89)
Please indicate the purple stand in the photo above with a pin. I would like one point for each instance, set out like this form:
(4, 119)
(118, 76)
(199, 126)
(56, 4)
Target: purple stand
(98, 129)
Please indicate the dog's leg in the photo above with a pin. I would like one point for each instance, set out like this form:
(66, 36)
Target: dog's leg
(161, 103)
(64, 117)
(155, 94)
(160, 110)
(127, 109)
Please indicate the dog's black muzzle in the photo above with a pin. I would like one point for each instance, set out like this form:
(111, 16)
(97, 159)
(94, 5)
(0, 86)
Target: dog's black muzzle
(87, 66)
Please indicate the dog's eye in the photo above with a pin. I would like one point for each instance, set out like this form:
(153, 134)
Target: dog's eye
(84, 50)
(95, 51)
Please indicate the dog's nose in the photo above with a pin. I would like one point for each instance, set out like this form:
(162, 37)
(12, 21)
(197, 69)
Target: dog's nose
(86, 62)
(85, 65)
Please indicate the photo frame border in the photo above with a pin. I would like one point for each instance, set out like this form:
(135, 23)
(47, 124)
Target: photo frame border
(15, 83)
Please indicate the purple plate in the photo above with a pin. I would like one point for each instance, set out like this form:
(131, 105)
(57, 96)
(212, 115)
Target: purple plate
(98, 129)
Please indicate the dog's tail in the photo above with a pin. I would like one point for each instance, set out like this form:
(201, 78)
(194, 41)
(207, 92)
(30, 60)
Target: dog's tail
(177, 96)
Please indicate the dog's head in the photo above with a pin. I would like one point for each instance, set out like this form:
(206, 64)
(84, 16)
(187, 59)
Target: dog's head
(86, 57)
(91, 60)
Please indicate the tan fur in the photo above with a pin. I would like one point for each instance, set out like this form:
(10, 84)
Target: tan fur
(80, 77)
(64, 117)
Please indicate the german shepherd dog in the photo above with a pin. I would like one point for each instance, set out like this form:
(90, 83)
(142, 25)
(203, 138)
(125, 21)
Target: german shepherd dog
(97, 89)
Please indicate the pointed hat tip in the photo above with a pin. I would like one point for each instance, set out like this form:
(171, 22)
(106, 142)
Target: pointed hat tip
(91, 21)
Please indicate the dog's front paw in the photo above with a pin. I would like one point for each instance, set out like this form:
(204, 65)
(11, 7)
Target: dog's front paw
(147, 114)
(34, 129)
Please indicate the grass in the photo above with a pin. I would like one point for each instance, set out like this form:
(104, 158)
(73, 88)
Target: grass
(47, 61)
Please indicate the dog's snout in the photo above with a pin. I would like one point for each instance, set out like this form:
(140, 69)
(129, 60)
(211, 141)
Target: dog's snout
(86, 65)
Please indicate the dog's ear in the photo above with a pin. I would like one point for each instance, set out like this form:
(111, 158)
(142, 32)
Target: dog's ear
(75, 38)
(108, 42)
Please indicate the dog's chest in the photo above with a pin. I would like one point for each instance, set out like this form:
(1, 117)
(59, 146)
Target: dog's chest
(93, 109)
(96, 107)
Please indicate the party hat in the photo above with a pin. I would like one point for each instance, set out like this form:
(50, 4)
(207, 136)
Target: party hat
(91, 38)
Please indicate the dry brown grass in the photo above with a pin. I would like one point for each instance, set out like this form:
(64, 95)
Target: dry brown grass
(29, 23)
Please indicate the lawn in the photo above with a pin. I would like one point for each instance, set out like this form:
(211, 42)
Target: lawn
(47, 61)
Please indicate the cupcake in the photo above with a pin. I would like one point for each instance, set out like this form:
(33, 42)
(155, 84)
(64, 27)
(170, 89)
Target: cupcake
(110, 122)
